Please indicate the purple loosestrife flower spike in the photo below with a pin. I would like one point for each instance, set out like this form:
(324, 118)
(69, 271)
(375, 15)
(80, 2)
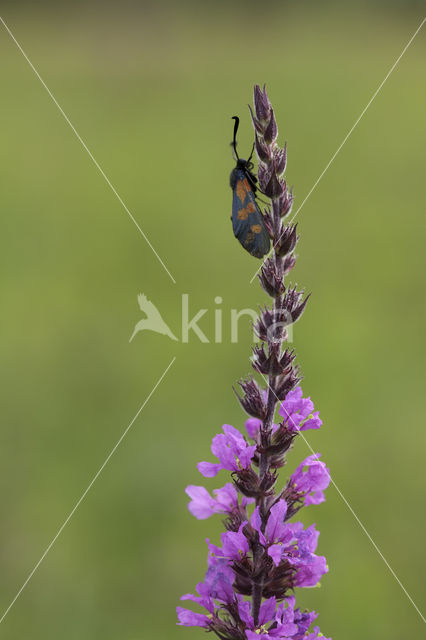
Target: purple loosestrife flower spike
(263, 556)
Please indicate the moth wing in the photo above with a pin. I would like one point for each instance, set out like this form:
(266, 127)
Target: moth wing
(240, 200)
(244, 205)
(247, 220)
(261, 242)
(240, 217)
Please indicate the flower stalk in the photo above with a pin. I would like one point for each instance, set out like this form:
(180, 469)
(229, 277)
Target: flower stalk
(250, 580)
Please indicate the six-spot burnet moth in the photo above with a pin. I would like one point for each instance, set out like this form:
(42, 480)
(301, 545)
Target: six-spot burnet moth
(247, 219)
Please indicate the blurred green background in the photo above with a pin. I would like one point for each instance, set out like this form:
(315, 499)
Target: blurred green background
(151, 88)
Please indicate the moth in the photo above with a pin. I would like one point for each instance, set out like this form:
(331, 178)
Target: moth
(247, 219)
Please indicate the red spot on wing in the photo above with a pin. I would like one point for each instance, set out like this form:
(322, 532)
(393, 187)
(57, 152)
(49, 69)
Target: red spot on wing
(240, 191)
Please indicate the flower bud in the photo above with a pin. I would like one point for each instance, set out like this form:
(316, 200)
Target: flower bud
(289, 263)
(271, 131)
(287, 382)
(293, 305)
(261, 149)
(264, 175)
(252, 400)
(269, 325)
(274, 187)
(271, 278)
(279, 580)
(280, 159)
(257, 125)
(287, 202)
(287, 240)
(261, 104)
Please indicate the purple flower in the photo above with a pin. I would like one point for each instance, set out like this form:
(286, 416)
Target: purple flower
(277, 534)
(263, 555)
(292, 542)
(298, 412)
(275, 530)
(310, 479)
(218, 580)
(283, 621)
(232, 451)
(310, 567)
(288, 614)
(234, 545)
(266, 612)
(204, 598)
(311, 571)
(217, 587)
(203, 506)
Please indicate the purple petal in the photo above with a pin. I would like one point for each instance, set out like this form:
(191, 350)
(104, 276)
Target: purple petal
(221, 449)
(308, 575)
(306, 406)
(202, 505)
(188, 618)
(276, 552)
(190, 596)
(311, 475)
(218, 580)
(227, 497)
(253, 635)
(293, 422)
(244, 612)
(298, 412)
(267, 610)
(246, 455)
(255, 520)
(312, 423)
(204, 599)
(209, 469)
(234, 544)
(316, 635)
(275, 522)
(308, 540)
(304, 620)
(315, 498)
(287, 630)
(279, 612)
(256, 523)
(253, 427)
(291, 402)
(287, 615)
(233, 433)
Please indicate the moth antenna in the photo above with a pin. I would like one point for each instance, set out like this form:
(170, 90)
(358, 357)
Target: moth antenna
(252, 149)
(234, 141)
